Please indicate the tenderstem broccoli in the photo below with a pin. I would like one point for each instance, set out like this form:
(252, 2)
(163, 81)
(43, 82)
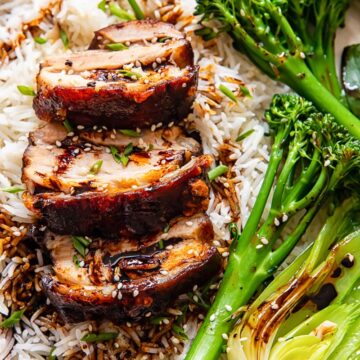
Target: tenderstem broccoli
(291, 41)
(311, 157)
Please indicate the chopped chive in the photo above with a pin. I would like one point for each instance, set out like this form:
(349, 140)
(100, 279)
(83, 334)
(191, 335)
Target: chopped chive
(136, 8)
(124, 159)
(244, 135)
(64, 38)
(129, 74)
(117, 11)
(79, 245)
(76, 261)
(162, 40)
(166, 229)
(128, 149)
(130, 133)
(178, 330)
(157, 320)
(40, 40)
(13, 189)
(234, 230)
(102, 336)
(83, 240)
(51, 354)
(245, 91)
(13, 319)
(102, 5)
(26, 90)
(68, 126)
(227, 92)
(161, 244)
(95, 168)
(115, 154)
(218, 171)
(116, 46)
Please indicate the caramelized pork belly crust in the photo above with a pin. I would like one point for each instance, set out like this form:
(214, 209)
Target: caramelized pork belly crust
(146, 83)
(128, 279)
(136, 197)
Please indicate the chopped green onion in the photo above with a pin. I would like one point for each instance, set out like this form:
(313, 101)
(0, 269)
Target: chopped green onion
(80, 244)
(227, 92)
(157, 320)
(218, 171)
(116, 46)
(162, 40)
(68, 126)
(102, 5)
(102, 336)
(166, 229)
(13, 189)
(206, 33)
(40, 40)
(130, 133)
(234, 230)
(64, 38)
(26, 90)
(95, 168)
(138, 12)
(13, 319)
(245, 91)
(51, 354)
(117, 11)
(115, 153)
(76, 261)
(129, 74)
(244, 135)
(179, 331)
(161, 244)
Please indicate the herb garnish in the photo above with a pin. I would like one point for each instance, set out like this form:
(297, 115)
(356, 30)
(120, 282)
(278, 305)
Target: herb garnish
(13, 189)
(130, 133)
(40, 40)
(26, 90)
(129, 74)
(102, 5)
(95, 168)
(161, 244)
(227, 92)
(13, 319)
(244, 135)
(178, 330)
(136, 8)
(124, 156)
(245, 91)
(80, 244)
(68, 126)
(102, 336)
(64, 38)
(76, 261)
(218, 171)
(117, 11)
(116, 46)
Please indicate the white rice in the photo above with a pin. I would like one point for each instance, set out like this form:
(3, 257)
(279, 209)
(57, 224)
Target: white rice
(216, 123)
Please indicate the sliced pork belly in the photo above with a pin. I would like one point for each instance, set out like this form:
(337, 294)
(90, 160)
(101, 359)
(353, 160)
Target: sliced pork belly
(162, 177)
(127, 279)
(145, 83)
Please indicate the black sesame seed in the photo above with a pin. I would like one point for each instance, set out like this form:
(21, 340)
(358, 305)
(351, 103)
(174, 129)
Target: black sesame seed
(68, 63)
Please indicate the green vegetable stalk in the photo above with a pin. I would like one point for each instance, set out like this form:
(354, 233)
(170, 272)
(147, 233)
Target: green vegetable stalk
(311, 157)
(291, 41)
(318, 278)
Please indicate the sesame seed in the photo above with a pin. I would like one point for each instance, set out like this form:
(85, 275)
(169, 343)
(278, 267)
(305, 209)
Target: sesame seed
(148, 314)
(274, 306)
(166, 321)
(120, 285)
(119, 295)
(94, 127)
(302, 55)
(276, 222)
(81, 127)
(70, 134)
(195, 287)
(158, 125)
(75, 138)
(195, 298)
(76, 151)
(56, 168)
(212, 317)
(49, 147)
(228, 307)
(169, 247)
(171, 124)
(225, 254)
(153, 127)
(216, 243)
(58, 143)
(284, 218)
(128, 324)
(189, 223)
(154, 40)
(127, 43)
(184, 85)
(327, 162)
(259, 246)
(113, 136)
(163, 272)
(242, 12)
(135, 293)
(114, 293)
(264, 241)
(243, 339)
(190, 251)
(87, 149)
(116, 278)
(154, 65)
(82, 263)
(16, 233)
(107, 150)
(146, 81)
(138, 130)
(158, 60)
(224, 336)
(175, 340)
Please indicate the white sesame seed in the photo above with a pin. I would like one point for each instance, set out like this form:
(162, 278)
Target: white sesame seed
(189, 223)
(171, 124)
(70, 134)
(154, 65)
(58, 143)
(81, 127)
(163, 272)
(82, 263)
(135, 293)
(175, 340)
(190, 251)
(169, 247)
(120, 285)
(146, 81)
(302, 55)
(264, 241)
(16, 233)
(158, 60)
(148, 314)
(113, 136)
(224, 336)
(212, 317)
(225, 254)
(242, 12)
(259, 246)
(166, 321)
(76, 151)
(154, 40)
(276, 222)
(284, 218)
(75, 138)
(127, 43)
(128, 324)
(327, 162)
(138, 130)
(116, 278)
(153, 127)
(49, 147)
(195, 287)
(87, 149)
(213, 286)
(137, 63)
(183, 85)
(114, 293)
(243, 339)
(351, 257)
(107, 150)
(134, 186)
(195, 298)
(119, 295)
(159, 125)
(274, 306)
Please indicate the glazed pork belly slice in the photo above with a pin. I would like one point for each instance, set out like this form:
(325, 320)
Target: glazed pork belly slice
(138, 196)
(125, 279)
(144, 84)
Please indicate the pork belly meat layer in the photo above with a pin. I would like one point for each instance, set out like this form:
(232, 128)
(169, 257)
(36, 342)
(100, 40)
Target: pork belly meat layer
(78, 184)
(127, 279)
(145, 83)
